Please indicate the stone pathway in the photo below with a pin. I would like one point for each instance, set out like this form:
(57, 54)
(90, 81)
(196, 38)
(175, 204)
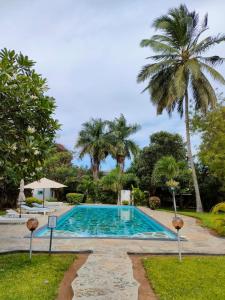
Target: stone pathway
(106, 275)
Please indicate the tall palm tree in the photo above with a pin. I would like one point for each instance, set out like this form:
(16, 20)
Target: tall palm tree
(94, 140)
(123, 146)
(179, 69)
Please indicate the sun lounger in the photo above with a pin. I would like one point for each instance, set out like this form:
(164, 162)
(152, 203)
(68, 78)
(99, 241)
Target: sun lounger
(53, 208)
(9, 220)
(11, 213)
(54, 203)
(35, 210)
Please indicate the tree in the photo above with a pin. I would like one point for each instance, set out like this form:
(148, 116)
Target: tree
(167, 171)
(115, 180)
(27, 126)
(180, 68)
(161, 144)
(58, 166)
(94, 140)
(123, 146)
(212, 148)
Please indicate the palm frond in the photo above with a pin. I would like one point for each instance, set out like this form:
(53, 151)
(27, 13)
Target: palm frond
(151, 69)
(158, 46)
(215, 74)
(207, 43)
(211, 60)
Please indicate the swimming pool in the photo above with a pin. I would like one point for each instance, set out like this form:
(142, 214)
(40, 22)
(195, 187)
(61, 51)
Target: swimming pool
(108, 221)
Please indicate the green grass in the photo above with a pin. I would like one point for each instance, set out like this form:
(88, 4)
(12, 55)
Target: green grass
(2, 212)
(39, 279)
(195, 278)
(215, 222)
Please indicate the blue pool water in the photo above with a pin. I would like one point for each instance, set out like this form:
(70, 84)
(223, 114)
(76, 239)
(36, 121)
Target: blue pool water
(109, 222)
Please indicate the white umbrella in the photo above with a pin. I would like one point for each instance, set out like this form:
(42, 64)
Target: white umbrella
(21, 197)
(44, 183)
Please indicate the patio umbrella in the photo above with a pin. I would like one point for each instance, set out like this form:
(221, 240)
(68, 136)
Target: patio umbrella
(21, 197)
(44, 183)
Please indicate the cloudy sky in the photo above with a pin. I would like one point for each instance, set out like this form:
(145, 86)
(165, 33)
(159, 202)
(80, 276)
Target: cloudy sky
(89, 52)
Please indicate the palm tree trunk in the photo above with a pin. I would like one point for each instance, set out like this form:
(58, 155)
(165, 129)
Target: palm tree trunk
(95, 170)
(190, 157)
(120, 162)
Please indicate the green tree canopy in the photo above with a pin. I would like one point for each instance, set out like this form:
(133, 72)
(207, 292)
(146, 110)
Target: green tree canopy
(212, 148)
(161, 144)
(115, 180)
(27, 125)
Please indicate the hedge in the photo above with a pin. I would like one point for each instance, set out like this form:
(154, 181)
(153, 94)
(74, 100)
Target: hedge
(74, 198)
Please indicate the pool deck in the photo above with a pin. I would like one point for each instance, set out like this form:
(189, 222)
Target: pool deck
(199, 239)
(107, 273)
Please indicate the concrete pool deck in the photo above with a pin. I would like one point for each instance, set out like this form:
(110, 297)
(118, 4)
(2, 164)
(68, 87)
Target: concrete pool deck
(199, 239)
(107, 273)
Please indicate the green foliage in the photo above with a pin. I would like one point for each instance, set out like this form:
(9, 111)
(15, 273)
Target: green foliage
(36, 280)
(138, 196)
(161, 144)
(58, 166)
(212, 129)
(94, 140)
(30, 200)
(167, 172)
(194, 278)
(154, 202)
(27, 126)
(220, 207)
(210, 187)
(123, 146)
(125, 202)
(86, 185)
(74, 198)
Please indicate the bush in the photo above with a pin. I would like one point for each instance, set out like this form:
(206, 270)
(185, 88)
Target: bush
(74, 198)
(154, 202)
(30, 200)
(51, 199)
(125, 202)
(139, 196)
(219, 208)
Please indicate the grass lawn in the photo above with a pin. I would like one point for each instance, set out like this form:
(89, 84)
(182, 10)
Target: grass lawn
(21, 279)
(195, 278)
(209, 220)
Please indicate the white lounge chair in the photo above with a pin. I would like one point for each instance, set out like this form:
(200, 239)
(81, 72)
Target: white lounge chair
(9, 220)
(11, 213)
(35, 210)
(41, 206)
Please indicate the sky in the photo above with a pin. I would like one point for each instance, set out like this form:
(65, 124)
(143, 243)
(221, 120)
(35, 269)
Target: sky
(89, 52)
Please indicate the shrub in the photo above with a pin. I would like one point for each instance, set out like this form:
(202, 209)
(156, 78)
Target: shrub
(220, 207)
(125, 202)
(30, 200)
(154, 202)
(138, 196)
(74, 198)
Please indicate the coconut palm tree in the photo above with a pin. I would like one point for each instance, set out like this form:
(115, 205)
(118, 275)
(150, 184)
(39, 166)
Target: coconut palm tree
(94, 140)
(180, 69)
(123, 146)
